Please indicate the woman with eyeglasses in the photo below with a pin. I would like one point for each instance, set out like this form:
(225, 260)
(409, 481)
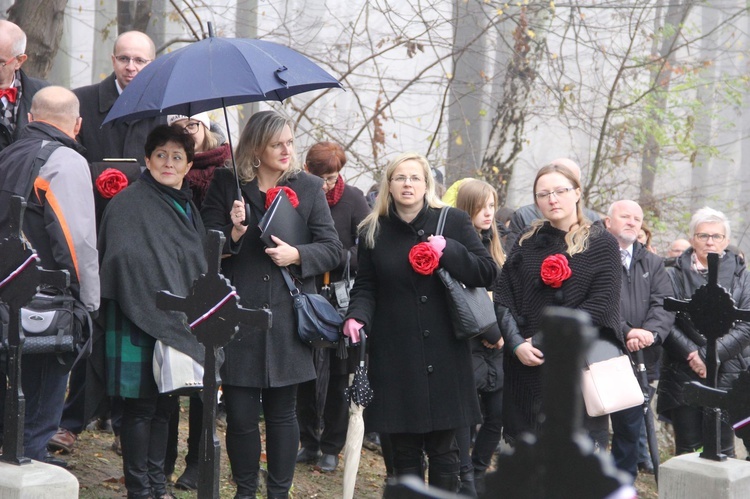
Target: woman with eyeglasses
(561, 260)
(263, 368)
(685, 350)
(348, 208)
(420, 373)
(211, 152)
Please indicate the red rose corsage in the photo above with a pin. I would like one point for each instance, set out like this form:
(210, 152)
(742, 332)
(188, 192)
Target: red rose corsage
(110, 182)
(424, 258)
(273, 192)
(555, 270)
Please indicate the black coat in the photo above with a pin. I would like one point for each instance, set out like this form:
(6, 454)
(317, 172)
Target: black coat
(29, 87)
(644, 286)
(420, 373)
(733, 348)
(119, 140)
(276, 357)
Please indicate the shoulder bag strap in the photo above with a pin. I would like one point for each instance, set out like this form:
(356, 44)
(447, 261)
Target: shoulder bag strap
(289, 281)
(41, 158)
(441, 221)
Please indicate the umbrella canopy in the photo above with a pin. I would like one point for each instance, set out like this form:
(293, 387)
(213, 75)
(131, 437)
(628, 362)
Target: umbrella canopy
(217, 72)
(360, 395)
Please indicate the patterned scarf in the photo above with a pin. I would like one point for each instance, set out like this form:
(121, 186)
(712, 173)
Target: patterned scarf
(333, 196)
(9, 110)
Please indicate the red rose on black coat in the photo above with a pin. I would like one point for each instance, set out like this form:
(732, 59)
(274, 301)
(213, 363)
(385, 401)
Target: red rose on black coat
(555, 270)
(110, 182)
(424, 258)
(273, 192)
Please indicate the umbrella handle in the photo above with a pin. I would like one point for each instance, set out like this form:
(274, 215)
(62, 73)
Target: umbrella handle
(362, 347)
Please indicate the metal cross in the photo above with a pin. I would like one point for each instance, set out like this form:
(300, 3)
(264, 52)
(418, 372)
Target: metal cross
(711, 310)
(213, 312)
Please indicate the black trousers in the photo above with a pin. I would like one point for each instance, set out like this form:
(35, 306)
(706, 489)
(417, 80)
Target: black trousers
(144, 443)
(331, 439)
(195, 426)
(440, 446)
(491, 430)
(688, 431)
(243, 407)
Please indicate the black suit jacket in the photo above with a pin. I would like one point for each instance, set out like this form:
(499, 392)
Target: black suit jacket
(118, 140)
(29, 87)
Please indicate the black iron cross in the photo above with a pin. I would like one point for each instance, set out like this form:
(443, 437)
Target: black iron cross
(560, 461)
(20, 275)
(213, 312)
(712, 312)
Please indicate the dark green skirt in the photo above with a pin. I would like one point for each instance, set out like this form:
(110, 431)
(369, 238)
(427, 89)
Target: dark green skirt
(130, 353)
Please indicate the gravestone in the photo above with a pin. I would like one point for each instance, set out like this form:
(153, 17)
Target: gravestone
(560, 462)
(214, 313)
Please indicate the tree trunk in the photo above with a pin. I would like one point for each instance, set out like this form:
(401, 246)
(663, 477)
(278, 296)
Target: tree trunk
(42, 21)
(133, 15)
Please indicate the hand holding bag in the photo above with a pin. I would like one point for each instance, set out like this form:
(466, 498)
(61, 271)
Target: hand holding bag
(471, 310)
(609, 383)
(318, 323)
(175, 372)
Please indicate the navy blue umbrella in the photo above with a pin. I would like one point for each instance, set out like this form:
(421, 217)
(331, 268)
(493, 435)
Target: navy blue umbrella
(218, 72)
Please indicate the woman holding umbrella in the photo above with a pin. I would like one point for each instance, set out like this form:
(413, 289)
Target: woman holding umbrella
(264, 368)
(421, 375)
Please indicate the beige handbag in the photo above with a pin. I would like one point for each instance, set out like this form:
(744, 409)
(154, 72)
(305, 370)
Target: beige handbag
(609, 385)
(174, 371)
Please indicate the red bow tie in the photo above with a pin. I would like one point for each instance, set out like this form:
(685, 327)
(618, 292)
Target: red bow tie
(10, 93)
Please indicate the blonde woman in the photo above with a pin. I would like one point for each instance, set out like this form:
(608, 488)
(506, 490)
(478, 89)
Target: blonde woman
(420, 373)
(563, 260)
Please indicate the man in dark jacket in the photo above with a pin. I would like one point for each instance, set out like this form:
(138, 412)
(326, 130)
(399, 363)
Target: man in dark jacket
(132, 52)
(525, 215)
(16, 89)
(59, 224)
(645, 323)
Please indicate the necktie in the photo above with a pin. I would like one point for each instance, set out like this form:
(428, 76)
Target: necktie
(9, 93)
(624, 254)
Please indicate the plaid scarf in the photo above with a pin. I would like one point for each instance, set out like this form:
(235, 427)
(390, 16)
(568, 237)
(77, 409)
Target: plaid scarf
(9, 110)
(334, 195)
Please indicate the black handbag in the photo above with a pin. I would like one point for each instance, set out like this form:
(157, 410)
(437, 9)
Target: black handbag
(318, 322)
(340, 289)
(52, 322)
(471, 309)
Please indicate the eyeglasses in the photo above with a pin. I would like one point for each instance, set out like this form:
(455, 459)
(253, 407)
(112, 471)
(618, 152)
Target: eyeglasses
(331, 179)
(703, 237)
(557, 192)
(401, 179)
(192, 127)
(5, 63)
(138, 61)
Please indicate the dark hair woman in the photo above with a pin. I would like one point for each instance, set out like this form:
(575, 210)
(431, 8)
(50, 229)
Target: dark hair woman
(150, 239)
(590, 281)
(420, 373)
(348, 208)
(263, 368)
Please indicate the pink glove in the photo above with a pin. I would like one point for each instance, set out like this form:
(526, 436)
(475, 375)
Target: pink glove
(351, 329)
(437, 243)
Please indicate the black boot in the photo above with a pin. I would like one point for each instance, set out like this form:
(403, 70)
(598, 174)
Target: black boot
(467, 487)
(479, 484)
(446, 481)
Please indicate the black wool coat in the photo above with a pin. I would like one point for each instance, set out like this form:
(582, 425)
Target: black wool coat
(118, 140)
(277, 357)
(420, 373)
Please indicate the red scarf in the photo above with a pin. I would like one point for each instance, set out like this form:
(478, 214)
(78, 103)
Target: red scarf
(333, 196)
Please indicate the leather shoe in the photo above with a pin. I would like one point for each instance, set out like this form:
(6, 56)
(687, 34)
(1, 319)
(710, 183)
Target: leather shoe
(64, 440)
(327, 463)
(646, 467)
(117, 446)
(306, 455)
(50, 459)
(189, 478)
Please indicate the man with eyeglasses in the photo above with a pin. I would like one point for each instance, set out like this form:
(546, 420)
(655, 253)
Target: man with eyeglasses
(525, 215)
(16, 88)
(132, 52)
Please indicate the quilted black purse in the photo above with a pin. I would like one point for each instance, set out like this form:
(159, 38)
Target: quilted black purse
(471, 310)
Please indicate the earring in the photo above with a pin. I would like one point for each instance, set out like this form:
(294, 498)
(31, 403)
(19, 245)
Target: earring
(258, 165)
